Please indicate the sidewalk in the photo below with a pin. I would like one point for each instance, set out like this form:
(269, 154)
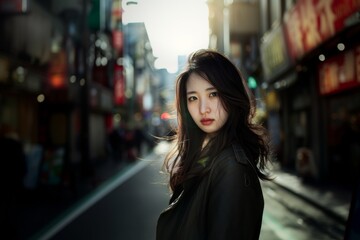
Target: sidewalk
(333, 200)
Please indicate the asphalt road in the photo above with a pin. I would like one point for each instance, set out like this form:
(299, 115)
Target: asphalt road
(125, 207)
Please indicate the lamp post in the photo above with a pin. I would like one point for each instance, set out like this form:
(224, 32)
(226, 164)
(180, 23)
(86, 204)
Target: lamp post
(84, 94)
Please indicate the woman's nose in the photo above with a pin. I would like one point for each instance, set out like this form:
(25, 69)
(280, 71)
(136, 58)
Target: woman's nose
(204, 107)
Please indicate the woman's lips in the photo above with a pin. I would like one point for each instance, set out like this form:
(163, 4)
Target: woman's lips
(206, 121)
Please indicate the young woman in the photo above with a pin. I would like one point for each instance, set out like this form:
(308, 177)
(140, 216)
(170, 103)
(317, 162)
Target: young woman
(219, 157)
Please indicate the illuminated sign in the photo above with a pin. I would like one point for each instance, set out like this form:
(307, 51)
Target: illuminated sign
(274, 54)
(119, 85)
(311, 22)
(57, 72)
(340, 72)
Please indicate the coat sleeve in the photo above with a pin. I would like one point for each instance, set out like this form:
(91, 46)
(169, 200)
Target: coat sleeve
(235, 205)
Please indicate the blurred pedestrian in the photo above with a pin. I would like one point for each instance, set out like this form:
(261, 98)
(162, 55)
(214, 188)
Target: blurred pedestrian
(219, 156)
(130, 145)
(138, 139)
(116, 140)
(13, 164)
(13, 170)
(139, 136)
(305, 165)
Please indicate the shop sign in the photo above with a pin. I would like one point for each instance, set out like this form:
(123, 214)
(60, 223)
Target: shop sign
(57, 72)
(311, 22)
(340, 72)
(272, 101)
(119, 85)
(274, 54)
(117, 38)
(99, 16)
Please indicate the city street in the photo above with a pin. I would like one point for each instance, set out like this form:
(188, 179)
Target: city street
(130, 210)
(90, 88)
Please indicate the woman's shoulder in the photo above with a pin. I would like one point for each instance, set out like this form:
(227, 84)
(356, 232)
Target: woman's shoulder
(231, 164)
(233, 154)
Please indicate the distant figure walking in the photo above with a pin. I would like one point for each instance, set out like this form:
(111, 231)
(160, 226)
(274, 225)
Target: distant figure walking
(12, 172)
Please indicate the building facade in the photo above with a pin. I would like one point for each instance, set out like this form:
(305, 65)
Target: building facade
(310, 62)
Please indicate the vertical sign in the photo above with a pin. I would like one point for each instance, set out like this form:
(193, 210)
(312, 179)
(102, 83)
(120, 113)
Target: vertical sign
(57, 71)
(119, 85)
(117, 39)
(274, 53)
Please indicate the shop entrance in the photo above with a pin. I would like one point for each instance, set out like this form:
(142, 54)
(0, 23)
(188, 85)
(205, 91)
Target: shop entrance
(343, 137)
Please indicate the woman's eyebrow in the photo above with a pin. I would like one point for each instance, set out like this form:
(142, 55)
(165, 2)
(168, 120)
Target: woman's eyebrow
(207, 89)
(191, 92)
(210, 89)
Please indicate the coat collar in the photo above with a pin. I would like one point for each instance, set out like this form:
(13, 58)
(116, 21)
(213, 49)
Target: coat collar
(239, 154)
(178, 194)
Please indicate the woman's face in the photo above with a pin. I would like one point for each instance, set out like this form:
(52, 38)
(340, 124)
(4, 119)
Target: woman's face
(204, 105)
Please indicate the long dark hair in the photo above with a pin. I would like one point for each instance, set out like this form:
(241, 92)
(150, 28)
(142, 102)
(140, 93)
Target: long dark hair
(240, 105)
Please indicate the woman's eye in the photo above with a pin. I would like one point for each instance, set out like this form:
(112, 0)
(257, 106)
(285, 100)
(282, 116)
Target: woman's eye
(213, 94)
(192, 98)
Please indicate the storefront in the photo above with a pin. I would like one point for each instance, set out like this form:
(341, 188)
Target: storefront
(318, 89)
(299, 114)
(37, 61)
(280, 76)
(339, 87)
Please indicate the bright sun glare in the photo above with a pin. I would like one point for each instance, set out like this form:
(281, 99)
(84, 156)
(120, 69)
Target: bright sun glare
(174, 27)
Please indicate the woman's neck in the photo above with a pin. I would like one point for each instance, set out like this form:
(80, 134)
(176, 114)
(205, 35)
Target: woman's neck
(206, 141)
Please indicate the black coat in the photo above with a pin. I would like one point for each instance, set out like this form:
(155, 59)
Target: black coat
(227, 203)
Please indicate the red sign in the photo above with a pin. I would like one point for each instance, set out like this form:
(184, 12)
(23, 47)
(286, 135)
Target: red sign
(57, 71)
(311, 22)
(119, 85)
(340, 72)
(117, 38)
